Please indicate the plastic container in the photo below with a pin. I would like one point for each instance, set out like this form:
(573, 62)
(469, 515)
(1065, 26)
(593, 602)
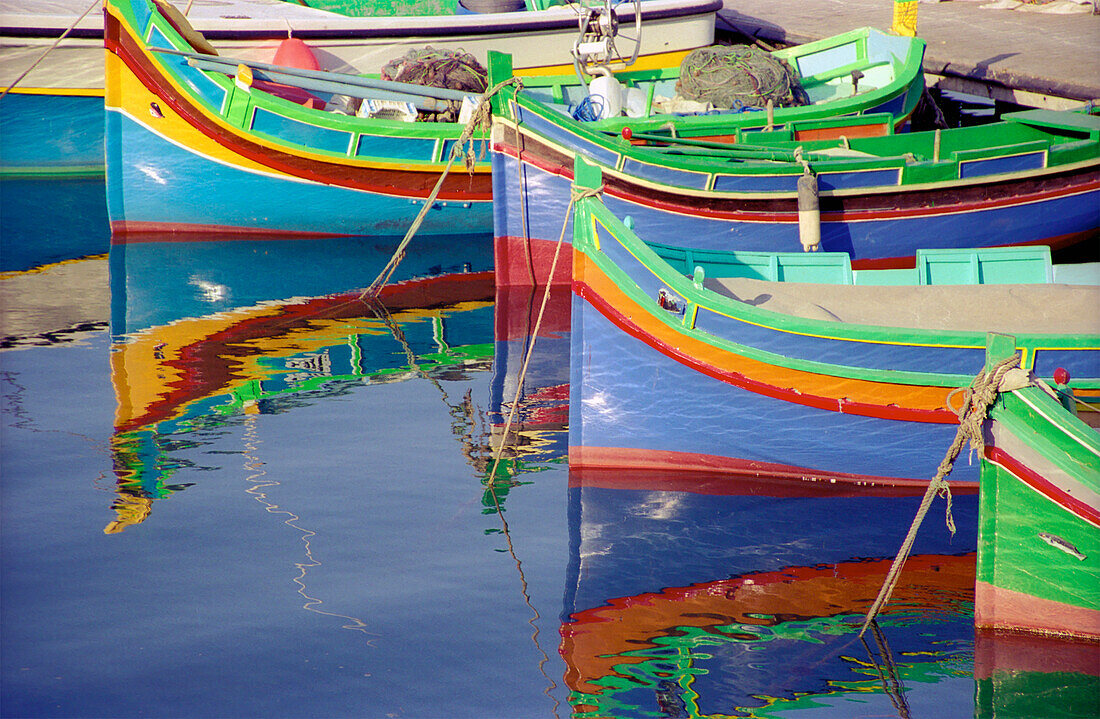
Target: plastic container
(606, 94)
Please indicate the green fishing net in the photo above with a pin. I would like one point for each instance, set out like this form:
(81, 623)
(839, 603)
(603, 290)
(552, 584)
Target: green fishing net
(735, 76)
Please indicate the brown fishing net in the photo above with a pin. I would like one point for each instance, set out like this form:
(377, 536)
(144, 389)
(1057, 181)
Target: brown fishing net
(451, 69)
(735, 76)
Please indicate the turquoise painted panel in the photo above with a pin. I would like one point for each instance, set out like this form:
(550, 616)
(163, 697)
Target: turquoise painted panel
(827, 59)
(396, 148)
(1004, 265)
(311, 136)
(884, 48)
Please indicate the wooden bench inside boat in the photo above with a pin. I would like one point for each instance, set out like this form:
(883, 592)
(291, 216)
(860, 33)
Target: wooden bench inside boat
(1002, 289)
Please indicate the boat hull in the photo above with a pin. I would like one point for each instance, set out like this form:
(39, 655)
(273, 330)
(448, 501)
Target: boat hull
(1039, 521)
(666, 373)
(187, 153)
(633, 406)
(880, 229)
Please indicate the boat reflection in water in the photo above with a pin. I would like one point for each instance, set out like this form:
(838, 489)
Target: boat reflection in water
(691, 595)
(528, 411)
(210, 330)
(1021, 675)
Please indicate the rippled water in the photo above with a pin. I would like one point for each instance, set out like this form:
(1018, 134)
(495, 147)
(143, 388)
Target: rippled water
(232, 489)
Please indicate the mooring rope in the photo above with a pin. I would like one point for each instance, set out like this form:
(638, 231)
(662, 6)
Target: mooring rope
(574, 195)
(95, 3)
(980, 395)
(481, 119)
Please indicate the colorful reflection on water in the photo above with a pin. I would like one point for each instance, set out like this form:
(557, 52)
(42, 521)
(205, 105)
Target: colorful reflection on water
(234, 488)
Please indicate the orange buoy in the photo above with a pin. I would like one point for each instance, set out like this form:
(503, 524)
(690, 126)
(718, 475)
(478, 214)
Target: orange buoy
(294, 53)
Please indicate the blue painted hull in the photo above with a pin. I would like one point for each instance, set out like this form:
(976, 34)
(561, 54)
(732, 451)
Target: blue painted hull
(626, 395)
(154, 184)
(534, 206)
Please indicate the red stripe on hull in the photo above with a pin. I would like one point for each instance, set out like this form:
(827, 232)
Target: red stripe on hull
(1043, 486)
(602, 467)
(736, 379)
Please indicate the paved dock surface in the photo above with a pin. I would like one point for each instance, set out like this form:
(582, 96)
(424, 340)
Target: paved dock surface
(971, 43)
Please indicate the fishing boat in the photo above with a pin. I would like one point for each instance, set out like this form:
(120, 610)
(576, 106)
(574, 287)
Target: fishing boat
(793, 364)
(789, 183)
(727, 595)
(1039, 512)
(51, 121)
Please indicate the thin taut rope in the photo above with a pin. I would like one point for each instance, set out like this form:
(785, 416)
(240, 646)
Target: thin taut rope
(480, 119)
(980, 395)
(49, 49)
(575, 195)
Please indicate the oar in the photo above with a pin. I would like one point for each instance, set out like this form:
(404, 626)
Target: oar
(426, 104)
(722, 148)
(216, 62)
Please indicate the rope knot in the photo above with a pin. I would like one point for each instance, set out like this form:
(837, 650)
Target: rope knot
(579, 193)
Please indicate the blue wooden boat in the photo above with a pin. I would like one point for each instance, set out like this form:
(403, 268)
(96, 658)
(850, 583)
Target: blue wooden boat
(791, 364)
(51, 123)
(1033, 178)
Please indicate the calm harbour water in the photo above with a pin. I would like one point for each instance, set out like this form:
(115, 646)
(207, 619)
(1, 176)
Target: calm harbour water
(230, 489)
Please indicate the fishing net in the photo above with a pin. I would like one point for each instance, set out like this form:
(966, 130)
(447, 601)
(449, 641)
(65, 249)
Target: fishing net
(451, 69)
(735, 76)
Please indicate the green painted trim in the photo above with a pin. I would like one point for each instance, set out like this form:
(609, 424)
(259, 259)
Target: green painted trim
(590, 211)
(1011, 555)
(1011, 514)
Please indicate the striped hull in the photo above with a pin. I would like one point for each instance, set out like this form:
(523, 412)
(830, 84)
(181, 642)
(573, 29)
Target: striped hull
(877, 229)
(174, 164)
(633, 406)
(715, 385)
(1039, 521)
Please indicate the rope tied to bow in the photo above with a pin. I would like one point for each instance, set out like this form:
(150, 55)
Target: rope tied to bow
(463, 147)
(1005, 376)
